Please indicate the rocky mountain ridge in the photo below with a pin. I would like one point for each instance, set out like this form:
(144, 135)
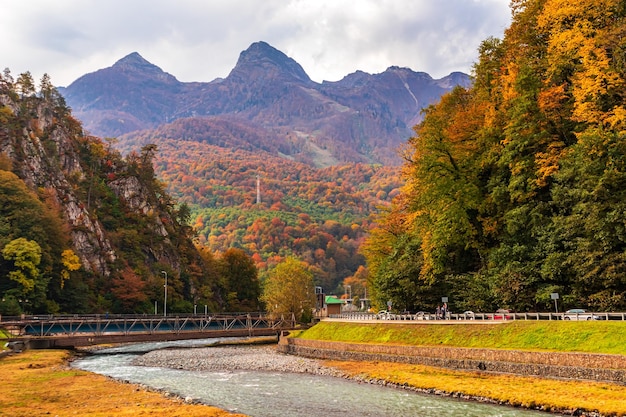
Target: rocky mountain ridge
(361, 118)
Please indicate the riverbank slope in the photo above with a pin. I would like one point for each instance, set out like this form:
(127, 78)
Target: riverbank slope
(40, 383)
(550, 340)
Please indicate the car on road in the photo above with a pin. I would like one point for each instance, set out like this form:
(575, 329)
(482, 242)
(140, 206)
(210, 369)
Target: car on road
(385, 315)
(468, 315)
(422, 315)
(580, 314)
(503, 314)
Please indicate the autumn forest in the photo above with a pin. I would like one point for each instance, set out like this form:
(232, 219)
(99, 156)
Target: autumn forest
(511, 190)
(515, 188)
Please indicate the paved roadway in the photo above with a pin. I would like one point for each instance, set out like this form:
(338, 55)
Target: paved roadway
(469, 317)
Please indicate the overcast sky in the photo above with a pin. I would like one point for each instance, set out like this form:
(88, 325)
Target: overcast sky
(200, 40)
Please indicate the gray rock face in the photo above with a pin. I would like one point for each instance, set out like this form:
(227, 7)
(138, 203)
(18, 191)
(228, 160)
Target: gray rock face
(136, 197)
(45, 156)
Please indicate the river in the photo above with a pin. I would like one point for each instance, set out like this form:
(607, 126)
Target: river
(279, 394)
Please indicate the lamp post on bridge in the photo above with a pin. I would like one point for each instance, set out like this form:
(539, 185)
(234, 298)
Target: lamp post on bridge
(165, 295)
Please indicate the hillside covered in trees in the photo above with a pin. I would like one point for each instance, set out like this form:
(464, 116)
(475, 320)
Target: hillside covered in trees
(267, 119)
(516, 187)
(84, 230)
(320, 216)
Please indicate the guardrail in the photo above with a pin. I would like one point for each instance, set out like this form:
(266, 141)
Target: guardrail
(616, 316)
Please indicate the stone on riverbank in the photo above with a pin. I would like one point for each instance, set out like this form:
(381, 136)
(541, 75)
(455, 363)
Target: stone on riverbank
(233, 358)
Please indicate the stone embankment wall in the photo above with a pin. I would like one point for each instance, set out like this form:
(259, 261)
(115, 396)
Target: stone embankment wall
(596, 367)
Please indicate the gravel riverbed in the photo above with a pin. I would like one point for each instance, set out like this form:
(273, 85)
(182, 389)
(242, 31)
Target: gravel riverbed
(233, 358)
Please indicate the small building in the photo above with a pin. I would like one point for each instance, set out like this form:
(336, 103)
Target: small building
(333, 305)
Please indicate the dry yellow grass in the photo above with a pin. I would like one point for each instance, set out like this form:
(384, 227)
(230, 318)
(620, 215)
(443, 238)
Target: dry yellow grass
(40, 383)
(607, 399)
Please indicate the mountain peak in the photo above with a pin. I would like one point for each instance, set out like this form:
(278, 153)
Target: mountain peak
(261, 54)
(134, 62)
(455, 78)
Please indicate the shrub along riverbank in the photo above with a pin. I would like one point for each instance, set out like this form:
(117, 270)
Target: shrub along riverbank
(572, 396)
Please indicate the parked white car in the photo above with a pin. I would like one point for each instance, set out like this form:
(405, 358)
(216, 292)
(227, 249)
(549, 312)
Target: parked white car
(579, 314)
(385, 315)
(422, 315)
(468, 315)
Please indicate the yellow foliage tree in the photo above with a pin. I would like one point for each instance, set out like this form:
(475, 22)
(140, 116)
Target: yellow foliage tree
(289, 290)
(71, 262)
(586, 38)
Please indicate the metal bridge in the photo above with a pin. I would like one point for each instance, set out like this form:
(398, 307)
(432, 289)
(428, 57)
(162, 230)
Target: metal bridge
(85, 330)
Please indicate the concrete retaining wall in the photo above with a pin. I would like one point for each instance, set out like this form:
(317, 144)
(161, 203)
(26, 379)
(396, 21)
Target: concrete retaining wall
(596, 367)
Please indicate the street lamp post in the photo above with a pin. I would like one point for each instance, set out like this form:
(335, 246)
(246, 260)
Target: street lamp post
(165, 298)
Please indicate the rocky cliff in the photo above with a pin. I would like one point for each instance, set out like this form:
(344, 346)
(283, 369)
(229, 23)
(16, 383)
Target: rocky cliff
(68, 191)
(42, 145)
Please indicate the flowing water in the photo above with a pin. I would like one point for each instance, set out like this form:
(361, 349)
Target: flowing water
(277, 394)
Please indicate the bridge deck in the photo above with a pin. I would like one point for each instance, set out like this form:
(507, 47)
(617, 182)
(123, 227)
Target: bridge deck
(73, 331)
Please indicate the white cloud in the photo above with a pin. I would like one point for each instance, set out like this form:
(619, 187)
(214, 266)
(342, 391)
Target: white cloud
(198, 40)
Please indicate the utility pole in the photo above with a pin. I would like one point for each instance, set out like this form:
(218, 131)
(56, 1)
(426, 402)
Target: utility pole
(258, 189)
(165, 296)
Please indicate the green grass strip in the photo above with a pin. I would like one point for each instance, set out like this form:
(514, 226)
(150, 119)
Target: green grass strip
(4, 336)
(589, 337)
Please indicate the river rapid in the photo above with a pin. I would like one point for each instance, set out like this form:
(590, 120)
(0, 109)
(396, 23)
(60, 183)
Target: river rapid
(259, 382)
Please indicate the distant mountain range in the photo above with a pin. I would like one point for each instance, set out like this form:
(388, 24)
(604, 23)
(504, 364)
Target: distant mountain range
(267, 102)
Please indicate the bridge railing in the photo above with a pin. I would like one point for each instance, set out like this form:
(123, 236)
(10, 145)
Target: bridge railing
(122, 316)
(98, 325)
